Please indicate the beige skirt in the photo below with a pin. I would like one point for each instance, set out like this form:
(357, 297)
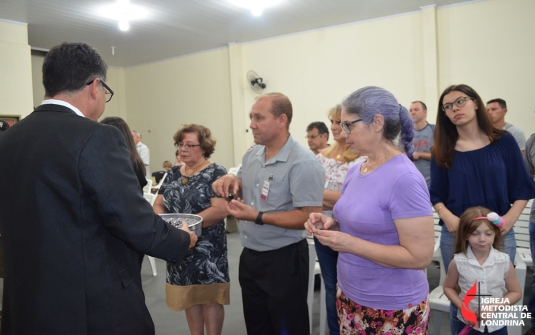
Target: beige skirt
(183, 297)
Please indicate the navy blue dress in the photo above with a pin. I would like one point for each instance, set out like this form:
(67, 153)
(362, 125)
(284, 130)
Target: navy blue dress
(494, 177)
(203, 275)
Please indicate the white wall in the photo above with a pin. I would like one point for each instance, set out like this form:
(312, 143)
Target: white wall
(37, 79)
(317, 69)
(162, 96)
(16, 95)
(490, 46)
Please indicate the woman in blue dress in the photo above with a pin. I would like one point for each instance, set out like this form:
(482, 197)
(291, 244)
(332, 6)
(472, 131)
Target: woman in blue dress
(200, 283)
(474, 164)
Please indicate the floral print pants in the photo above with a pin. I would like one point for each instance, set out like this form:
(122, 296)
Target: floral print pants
(356, 319)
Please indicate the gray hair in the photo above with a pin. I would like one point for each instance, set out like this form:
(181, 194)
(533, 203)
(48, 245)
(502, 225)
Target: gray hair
(137, 133)
(370, 101)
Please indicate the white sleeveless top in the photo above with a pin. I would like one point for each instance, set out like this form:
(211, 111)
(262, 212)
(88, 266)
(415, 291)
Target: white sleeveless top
(491, 277)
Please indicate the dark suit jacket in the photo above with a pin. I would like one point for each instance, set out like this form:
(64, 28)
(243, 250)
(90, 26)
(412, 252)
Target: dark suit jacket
(73, 221)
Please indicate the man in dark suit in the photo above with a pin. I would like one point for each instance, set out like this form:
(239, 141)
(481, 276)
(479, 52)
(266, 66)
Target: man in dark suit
(72, 218)
(3, 127)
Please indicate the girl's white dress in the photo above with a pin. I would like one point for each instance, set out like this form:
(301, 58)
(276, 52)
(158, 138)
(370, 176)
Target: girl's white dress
(489, 278)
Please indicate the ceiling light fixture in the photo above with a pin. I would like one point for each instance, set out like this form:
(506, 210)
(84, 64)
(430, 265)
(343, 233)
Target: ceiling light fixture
(255, 6)
(123, 12)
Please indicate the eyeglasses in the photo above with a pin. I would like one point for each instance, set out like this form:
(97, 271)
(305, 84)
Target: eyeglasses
(107, 89)
(313, 136)
(459, 102)
(184, 146)
(346, 125)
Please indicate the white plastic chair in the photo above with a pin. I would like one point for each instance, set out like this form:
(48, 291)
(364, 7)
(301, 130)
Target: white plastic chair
(234, 170)
(521, 228)
(146, 188)
(156, 187)
(313, 270)
(150, 198)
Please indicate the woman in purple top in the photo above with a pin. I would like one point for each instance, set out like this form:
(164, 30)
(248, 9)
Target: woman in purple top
(474, 164)
(382, 225)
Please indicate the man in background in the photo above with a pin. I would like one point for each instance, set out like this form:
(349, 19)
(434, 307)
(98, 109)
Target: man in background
(143, 152)
(72, 218)
(281, 183)
(497, 108)
(317, 136)
(423, 139)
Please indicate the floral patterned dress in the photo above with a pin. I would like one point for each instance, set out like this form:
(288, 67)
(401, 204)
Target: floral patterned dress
(203, 275)
(335, 173)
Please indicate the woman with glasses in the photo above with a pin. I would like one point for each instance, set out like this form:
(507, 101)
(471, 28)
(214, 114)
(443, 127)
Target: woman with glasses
(178, 161)
(200, 283)
(336, 160)
(382, 225)
(474, 164)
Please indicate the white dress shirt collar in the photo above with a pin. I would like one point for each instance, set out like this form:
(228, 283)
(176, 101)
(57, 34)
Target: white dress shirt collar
(62, 103)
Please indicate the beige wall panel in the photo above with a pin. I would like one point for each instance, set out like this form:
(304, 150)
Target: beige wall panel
(117, 105)
(162, 96)
(489, 45)
(13, 32)
(37, 79)
(16, 94)
(318, 68)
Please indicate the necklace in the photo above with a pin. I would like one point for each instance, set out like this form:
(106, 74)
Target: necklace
(372, 165)
(185, 178)
(366, 168)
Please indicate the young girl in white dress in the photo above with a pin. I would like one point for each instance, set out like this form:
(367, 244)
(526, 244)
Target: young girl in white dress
(478, 268)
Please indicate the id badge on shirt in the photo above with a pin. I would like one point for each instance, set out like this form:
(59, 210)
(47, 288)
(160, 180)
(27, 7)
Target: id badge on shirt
(265, 187)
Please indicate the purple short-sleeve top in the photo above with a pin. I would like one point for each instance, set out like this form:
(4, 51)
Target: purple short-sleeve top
(367, 209)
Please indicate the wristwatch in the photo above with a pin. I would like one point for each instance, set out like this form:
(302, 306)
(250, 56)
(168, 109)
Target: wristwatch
(259, 218)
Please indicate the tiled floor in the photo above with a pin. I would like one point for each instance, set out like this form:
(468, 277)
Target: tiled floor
(168, 322)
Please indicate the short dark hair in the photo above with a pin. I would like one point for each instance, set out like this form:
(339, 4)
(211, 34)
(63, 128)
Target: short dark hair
(204, 135)
(501, 102)
(320, 126)
(68, 67)
(421, 103)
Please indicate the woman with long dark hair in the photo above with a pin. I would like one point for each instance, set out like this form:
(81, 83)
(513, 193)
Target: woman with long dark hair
(474, 164)
(137, 163)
